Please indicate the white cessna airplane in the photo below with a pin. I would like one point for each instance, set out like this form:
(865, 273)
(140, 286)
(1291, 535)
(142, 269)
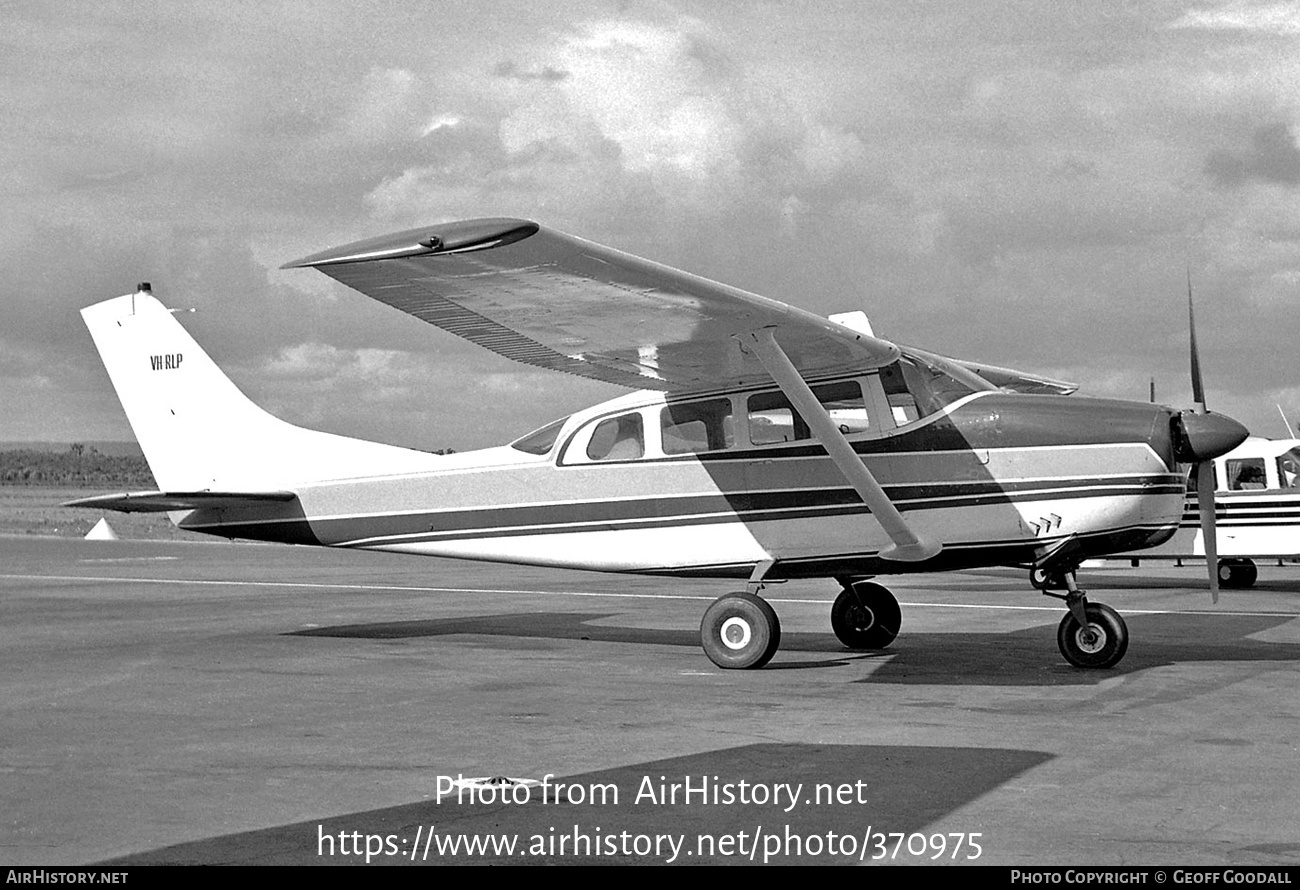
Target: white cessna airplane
(1257, 494)
(763, 443)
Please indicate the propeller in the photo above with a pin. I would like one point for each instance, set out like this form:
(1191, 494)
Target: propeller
(1202, 437)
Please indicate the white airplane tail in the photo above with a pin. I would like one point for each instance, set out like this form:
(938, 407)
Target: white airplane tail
(197, 430)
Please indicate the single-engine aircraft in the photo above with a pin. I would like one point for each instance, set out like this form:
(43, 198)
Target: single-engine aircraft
(763, 442)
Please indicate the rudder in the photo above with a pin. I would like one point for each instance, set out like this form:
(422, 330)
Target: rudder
(197, 429)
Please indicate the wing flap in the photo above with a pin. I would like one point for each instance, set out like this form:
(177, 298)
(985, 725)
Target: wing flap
(555, 301)
(165, 501)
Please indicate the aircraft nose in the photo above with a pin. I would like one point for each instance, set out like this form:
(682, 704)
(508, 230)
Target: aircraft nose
(1202, 437)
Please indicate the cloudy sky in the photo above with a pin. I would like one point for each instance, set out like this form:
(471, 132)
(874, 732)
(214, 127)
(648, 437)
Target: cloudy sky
(1013, 181)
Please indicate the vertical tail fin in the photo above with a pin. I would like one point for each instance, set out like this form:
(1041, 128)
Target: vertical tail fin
(198, 431)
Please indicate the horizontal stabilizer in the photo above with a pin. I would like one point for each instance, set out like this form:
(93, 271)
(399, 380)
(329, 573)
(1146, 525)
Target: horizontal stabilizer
(167, 501)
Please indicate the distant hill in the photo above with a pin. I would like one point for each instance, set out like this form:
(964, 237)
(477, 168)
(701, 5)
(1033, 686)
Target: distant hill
(79, 465)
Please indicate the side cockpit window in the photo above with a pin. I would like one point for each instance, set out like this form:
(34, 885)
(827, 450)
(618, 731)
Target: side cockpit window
(1288, 469)
(697, 426)
(773, 419)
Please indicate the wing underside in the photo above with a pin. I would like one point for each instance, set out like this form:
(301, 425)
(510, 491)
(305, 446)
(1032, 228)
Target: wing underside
(555, 301)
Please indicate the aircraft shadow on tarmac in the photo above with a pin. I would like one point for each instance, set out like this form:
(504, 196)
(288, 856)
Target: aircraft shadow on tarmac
(1096, 579)
(1026, 657)
(1135, 582)
(903, 789)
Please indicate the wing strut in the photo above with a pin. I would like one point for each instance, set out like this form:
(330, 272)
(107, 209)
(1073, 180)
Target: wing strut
(908, 546)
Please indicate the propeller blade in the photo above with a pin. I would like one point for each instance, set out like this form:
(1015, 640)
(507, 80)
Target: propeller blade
(1209, 531)
(1198, 385)
(1205, 464)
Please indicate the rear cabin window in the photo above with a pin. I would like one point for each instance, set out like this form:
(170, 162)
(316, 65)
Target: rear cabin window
(773, 419)
(697, 426)
(618, 438)
(1246, 474)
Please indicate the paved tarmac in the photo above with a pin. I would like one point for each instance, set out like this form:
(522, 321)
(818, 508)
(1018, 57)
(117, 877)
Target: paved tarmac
(232, 703)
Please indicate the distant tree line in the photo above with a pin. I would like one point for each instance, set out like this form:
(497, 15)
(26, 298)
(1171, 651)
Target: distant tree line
(82, 467)
(78, 467)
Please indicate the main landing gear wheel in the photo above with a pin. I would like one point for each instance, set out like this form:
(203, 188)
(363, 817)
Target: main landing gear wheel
(866, 616)
(1099, 645)
(740, 630)
(1237, 572)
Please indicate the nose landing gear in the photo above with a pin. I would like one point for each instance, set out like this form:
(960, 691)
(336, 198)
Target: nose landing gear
(1091, 635)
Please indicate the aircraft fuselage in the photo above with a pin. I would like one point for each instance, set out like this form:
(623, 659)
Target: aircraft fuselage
(996, 477)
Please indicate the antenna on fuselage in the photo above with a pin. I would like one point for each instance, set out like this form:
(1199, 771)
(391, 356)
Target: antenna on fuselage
(1290, 432)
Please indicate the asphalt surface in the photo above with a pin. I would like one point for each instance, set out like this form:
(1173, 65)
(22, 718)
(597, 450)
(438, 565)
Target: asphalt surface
(230, 703)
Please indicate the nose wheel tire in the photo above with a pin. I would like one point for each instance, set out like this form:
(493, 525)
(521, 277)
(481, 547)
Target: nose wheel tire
(740, 630)
(866, 616)
(1237, 573)
(1099, 645)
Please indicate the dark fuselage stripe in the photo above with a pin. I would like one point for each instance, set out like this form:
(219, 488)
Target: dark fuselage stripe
(702, 510)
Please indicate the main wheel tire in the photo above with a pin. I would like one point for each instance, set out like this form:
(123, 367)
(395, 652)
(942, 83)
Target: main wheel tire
(1237, 573)
(740, 631)
(1100, 645)
(866, 616)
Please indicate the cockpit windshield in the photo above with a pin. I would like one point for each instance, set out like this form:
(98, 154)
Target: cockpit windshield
(1288, 469)
(947, 379)
(540, 441)
(919, 384)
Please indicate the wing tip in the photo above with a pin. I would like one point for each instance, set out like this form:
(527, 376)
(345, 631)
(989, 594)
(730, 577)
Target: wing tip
(440, 238)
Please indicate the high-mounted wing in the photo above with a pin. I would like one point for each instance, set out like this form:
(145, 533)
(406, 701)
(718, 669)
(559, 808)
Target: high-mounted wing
(555, 301)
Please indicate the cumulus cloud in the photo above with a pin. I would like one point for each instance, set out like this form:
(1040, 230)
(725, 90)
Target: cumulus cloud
(442, 122)
(992, 179)
(1243, 15)
(641, 88)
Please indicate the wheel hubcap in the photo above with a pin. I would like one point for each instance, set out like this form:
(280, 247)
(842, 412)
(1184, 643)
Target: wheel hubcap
(736, 633)
(861, 618)
(1090, 639)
